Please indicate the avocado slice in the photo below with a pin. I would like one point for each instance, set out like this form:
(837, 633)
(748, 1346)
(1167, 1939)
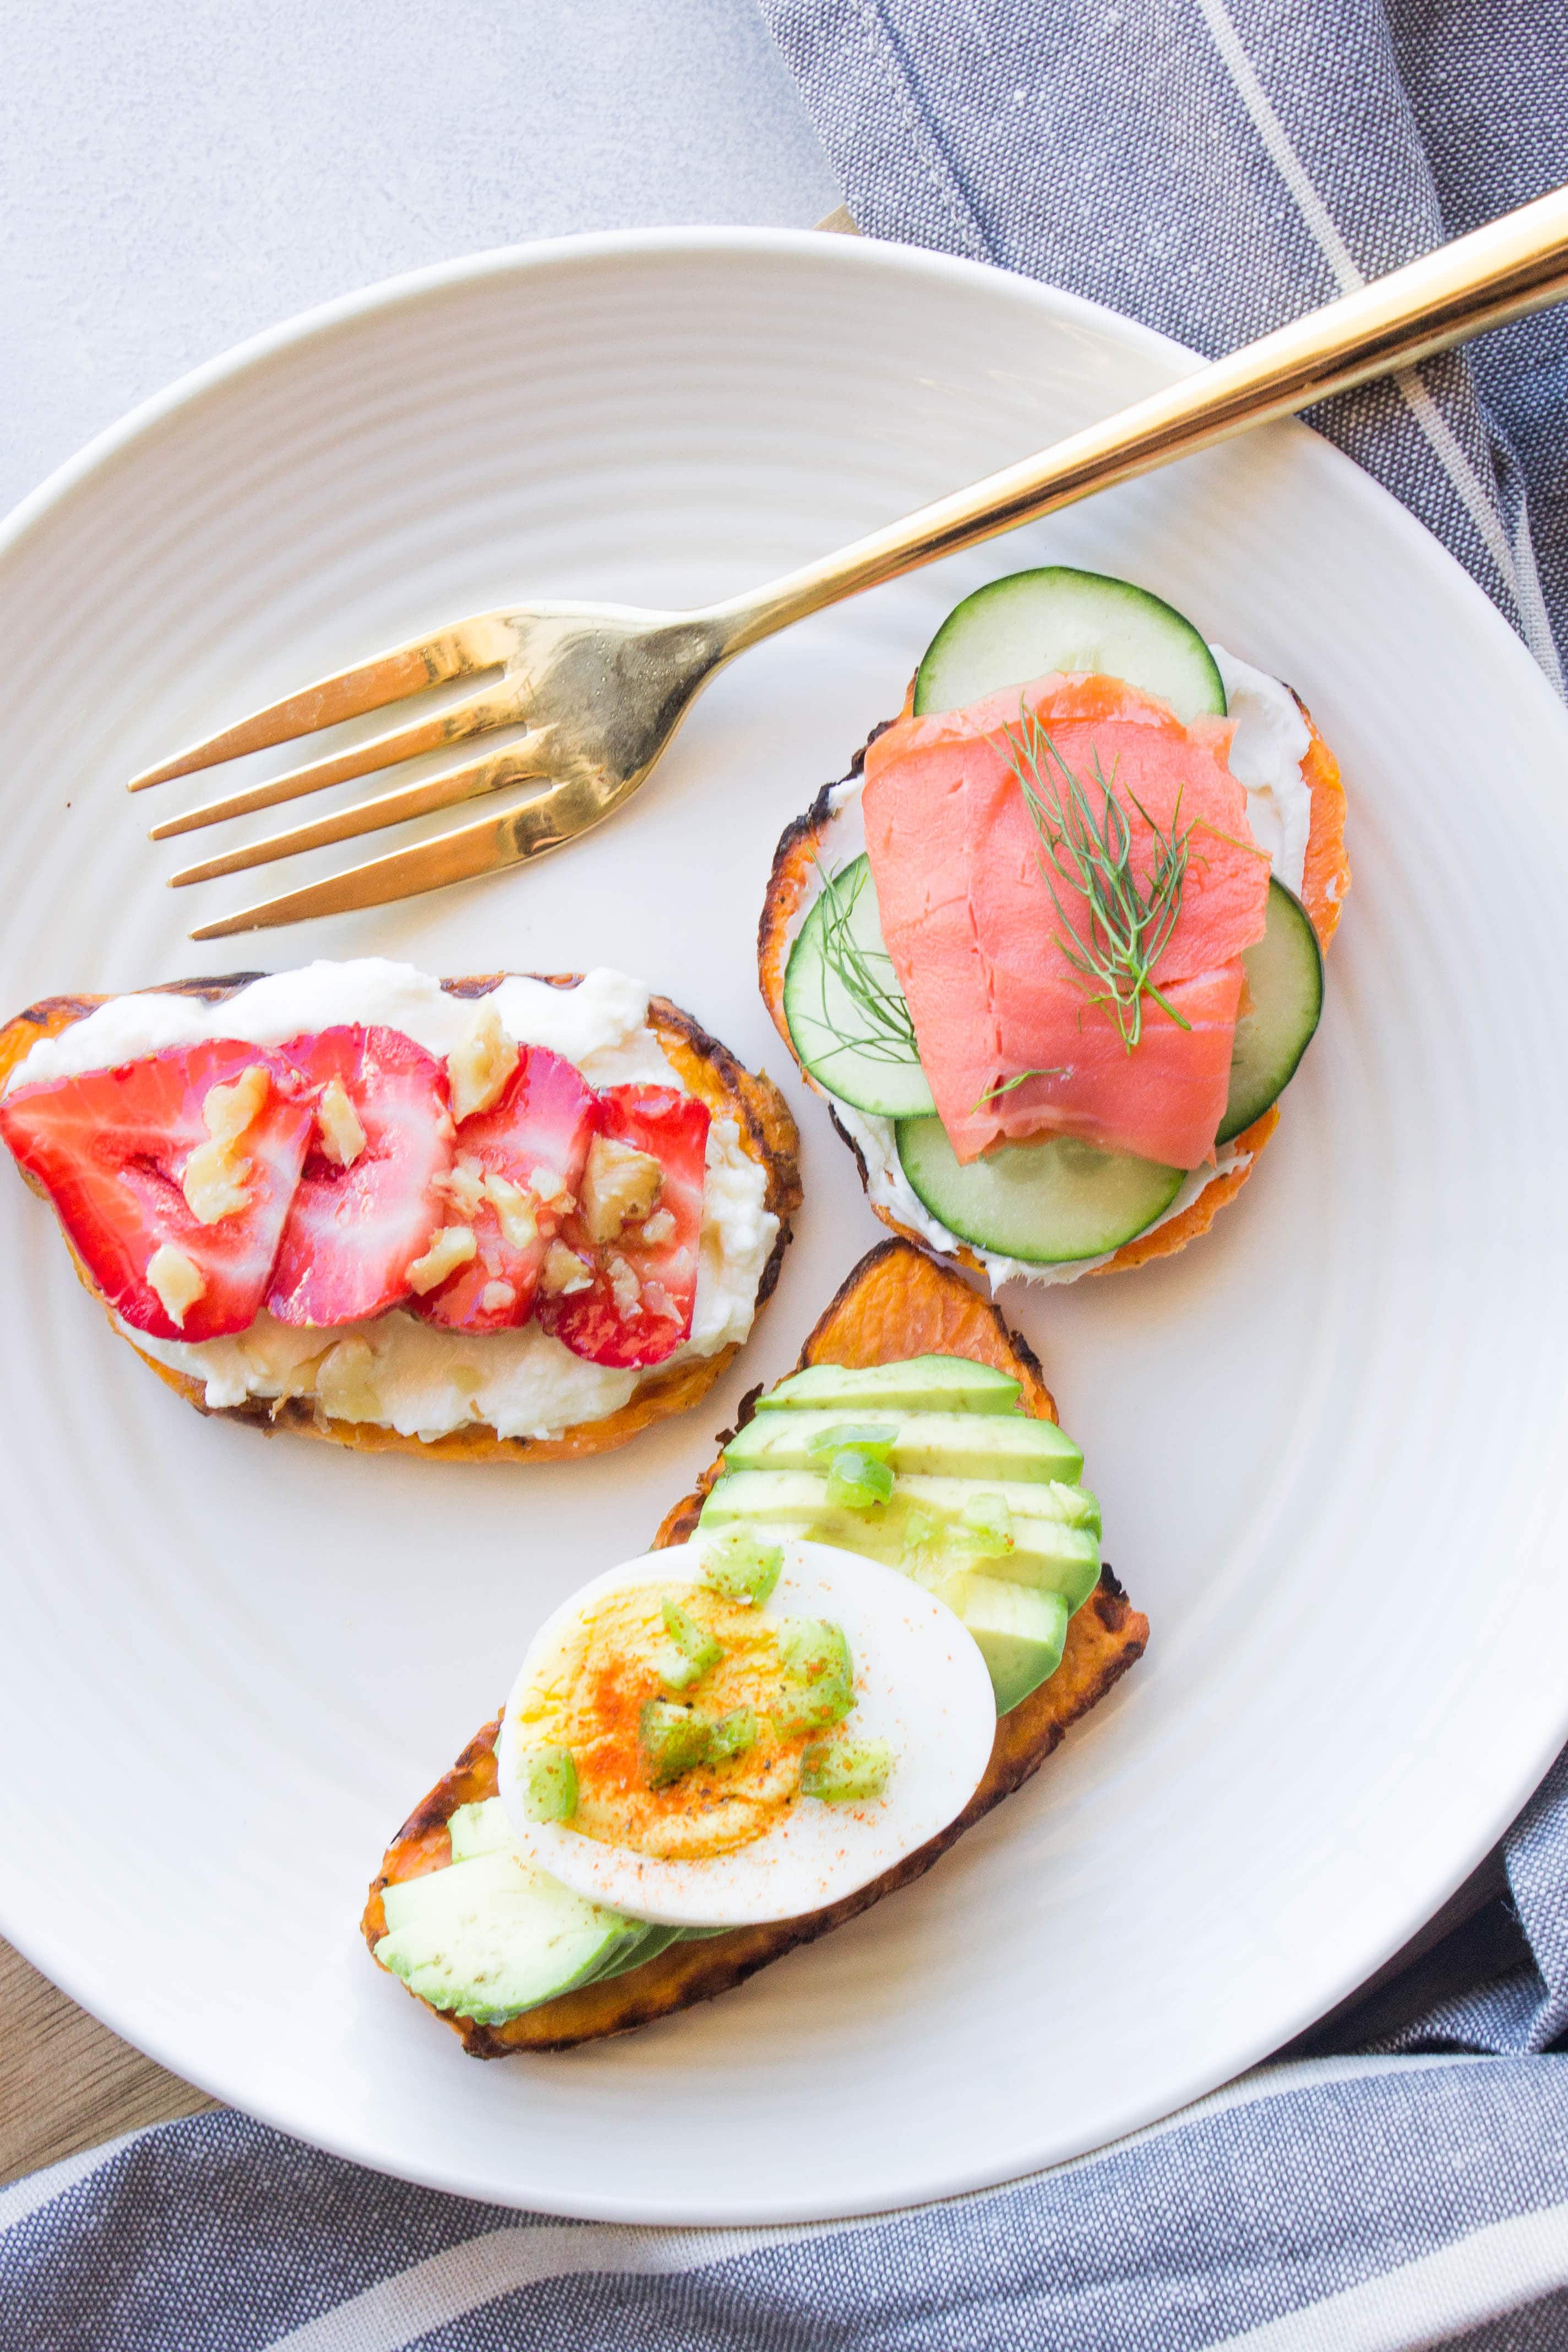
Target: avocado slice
(922, 1384)
(649, 1945)
(479, 1829)
(493, 1936)
(484, 1828)
(989, 1445)
(1020, 1633)
(1049, 1551)
(1065, 1505)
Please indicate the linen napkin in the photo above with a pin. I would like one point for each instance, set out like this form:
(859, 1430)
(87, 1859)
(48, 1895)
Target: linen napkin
(1211, 167)
(1214, 167)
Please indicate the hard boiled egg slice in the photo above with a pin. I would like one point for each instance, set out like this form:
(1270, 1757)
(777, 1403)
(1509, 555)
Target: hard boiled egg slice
(733, 1839)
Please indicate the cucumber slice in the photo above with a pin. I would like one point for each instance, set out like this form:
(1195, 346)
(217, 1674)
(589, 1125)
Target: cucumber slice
(1022, 627)
(1285, 975)
(834, 1037)
(1047, 1203)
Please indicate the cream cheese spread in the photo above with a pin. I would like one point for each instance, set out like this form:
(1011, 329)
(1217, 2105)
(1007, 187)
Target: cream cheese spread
(1270, 742)
(397, 1370)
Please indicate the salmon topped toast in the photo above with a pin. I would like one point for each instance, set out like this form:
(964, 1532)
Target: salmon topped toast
(1053, 949)
(910, 1362)
(502, 1218)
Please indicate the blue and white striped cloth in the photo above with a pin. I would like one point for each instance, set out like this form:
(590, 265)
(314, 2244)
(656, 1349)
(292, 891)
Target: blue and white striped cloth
(1211, 167)
(1344, 2205)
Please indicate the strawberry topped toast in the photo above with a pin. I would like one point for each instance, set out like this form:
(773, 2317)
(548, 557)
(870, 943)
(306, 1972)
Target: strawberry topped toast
(501, 1216)
(1054, 948)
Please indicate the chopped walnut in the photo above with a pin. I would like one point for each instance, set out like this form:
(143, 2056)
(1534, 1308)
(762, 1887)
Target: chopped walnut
(177, 1282)
(338, 1125)
(514, 1210)
(552, 1189)
(496, 1297)
(214, 1182)
(346, 1388)
(564, 1272)
(658, 1229)
(478, 1068)
(620, 1184)
(464, 1186)
(452, 1247)
(227, 1111)
(625, 1285)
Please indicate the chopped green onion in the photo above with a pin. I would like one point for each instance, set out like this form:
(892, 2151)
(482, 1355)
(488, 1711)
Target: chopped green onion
(738, 1567)
(819, 1687)
(920, 1529)
(673, 1740)
(984, 1527)
(869, 1438)
(858, 1480)
(735, 1734)
(845, 1772)
(549, 1779)
(689, 1653)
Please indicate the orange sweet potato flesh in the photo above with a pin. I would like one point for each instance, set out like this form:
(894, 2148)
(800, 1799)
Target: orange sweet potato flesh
(704, 1066)
(896, 1303)
(1326, 879)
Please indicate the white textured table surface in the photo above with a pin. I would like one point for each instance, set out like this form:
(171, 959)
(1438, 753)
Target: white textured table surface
(175, 177)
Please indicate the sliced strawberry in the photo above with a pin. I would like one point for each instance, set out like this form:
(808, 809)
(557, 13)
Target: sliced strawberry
(536, 1138)
(110, 1148)
(353, 1232)
(638, 1308)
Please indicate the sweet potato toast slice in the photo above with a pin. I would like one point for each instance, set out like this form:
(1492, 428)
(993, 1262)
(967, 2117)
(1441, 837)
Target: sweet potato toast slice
(898, 1302)
(1323, 885)
(706, 1067)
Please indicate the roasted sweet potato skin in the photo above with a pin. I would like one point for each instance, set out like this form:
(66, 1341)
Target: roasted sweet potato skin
(898, 1302)
(708, 1069)
(1325, 884)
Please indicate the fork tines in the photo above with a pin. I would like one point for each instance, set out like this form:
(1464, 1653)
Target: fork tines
(458, 652)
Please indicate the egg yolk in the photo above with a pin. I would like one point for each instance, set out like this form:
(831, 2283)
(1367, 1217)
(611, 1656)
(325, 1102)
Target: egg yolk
(592, 1697)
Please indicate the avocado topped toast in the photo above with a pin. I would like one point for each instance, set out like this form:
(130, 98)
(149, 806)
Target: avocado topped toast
(896, 1305)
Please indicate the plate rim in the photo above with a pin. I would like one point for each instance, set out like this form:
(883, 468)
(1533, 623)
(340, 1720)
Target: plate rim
(118, 443)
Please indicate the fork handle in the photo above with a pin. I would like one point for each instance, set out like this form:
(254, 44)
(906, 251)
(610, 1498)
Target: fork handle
(1511, 266)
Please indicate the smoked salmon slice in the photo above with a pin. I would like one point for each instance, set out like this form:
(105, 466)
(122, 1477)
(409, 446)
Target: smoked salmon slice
(988, 924)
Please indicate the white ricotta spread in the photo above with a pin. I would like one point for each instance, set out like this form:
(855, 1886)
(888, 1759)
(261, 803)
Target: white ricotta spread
(601, 1024)
(1270, 742)
(395, 1370)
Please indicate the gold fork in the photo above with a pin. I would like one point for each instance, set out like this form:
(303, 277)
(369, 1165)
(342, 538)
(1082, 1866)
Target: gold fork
(601, 689)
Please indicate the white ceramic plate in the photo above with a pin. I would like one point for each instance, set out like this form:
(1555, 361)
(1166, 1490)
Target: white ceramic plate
(1328, 1438)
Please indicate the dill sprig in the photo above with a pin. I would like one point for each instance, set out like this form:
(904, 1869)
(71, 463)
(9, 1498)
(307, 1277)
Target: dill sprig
(1087, 847)
(1019, 1078)
(886, 1034)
